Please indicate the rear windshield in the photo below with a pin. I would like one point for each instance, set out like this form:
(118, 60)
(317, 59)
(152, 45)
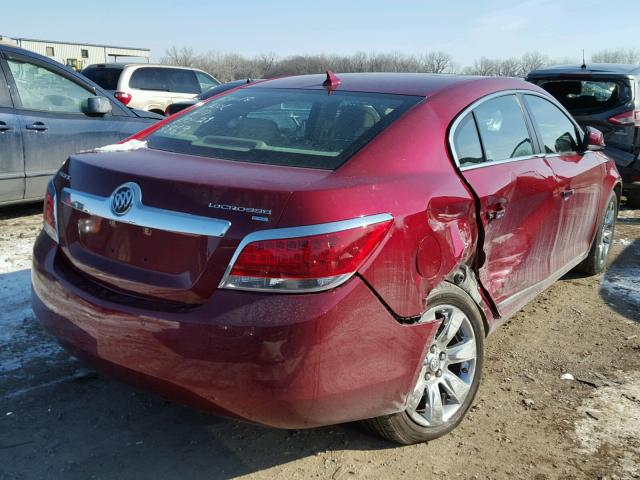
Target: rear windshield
(302, 128)
(589, 96)
(106, 77)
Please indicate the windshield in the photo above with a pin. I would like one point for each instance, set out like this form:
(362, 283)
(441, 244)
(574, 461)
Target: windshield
(107, 78)
(589, 96)
(302, 128)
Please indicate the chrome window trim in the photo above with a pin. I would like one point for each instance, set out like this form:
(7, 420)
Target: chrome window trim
(295, 232)
(145, 216)
(480, 101)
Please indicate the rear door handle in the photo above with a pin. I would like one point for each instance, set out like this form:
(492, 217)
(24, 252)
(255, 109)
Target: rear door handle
(4, 127)
(567, 193)
(37, 126)
(496, 213)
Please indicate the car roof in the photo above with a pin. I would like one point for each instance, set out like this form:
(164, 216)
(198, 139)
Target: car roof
(593, 68)
(419, 84)
(123, 65)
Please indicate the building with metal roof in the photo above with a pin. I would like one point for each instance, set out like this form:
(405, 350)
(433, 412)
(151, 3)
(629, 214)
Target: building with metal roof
(79, 55)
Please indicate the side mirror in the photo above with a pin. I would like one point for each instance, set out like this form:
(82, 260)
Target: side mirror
(97, 106)
(593, 140)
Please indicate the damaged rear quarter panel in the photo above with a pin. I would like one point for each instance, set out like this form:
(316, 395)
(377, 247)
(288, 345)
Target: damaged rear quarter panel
(410, 176)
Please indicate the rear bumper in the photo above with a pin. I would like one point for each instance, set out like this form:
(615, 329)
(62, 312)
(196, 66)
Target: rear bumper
(287, 361)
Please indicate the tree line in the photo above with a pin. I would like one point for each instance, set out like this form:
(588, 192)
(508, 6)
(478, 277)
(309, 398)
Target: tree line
(233, 66)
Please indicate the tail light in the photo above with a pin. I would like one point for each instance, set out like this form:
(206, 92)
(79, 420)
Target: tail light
(632, 117)
(124, 97)
(50, 214)
(305, 259)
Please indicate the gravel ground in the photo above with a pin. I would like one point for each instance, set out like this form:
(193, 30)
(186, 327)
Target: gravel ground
(61, 420)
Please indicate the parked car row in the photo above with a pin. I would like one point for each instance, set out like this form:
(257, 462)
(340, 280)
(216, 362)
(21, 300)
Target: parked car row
(605, 96)
(340, 246)
(48, 112)
(150, 87)
(212, 92)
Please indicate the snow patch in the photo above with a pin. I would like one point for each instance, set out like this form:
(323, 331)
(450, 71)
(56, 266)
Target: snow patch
(129, 146)
(625, 242)
(618, 423)
(622, 278)
(22, 340)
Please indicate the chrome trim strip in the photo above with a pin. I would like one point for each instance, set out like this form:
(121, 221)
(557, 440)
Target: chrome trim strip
(296, 286)
(144, 216)
(304, 231)
(497, 162)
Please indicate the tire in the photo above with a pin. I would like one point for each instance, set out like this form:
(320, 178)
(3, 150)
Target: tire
(413, 426)
(633, 198)
(596, 260)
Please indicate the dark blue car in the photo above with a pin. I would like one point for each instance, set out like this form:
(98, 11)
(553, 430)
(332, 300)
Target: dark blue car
(47, 112)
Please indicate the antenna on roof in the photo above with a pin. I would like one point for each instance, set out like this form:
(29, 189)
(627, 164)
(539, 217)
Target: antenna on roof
(332, 81)
(584, 64)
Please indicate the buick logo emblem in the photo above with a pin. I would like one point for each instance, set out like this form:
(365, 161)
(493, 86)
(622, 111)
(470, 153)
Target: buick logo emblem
(122, 199)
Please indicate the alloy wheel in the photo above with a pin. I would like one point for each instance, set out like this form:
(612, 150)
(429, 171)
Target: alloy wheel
(606, 237)
(448, 369)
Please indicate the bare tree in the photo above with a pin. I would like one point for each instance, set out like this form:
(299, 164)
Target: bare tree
(437, 62)
(532, 61)
(616, 56)
(232, 66)
(183, 57)
(484, 66)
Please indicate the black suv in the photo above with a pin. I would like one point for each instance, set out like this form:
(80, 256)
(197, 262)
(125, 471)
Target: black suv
(605, 96)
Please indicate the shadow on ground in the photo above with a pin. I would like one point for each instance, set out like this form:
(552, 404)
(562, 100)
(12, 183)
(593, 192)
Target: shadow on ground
(88, 426)
(60, 419)
(17, 211)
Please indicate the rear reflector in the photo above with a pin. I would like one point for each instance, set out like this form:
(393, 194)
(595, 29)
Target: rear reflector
(632, 117)
(49, 216)
(295, 263)
(123, 97)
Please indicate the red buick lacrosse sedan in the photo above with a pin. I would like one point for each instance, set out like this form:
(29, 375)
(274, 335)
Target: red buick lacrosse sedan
(322, 249)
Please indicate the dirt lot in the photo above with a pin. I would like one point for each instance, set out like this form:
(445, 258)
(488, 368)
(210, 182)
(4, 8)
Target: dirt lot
(59, 419)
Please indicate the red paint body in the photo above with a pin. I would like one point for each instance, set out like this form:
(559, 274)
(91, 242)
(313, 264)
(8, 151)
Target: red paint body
(145, 306)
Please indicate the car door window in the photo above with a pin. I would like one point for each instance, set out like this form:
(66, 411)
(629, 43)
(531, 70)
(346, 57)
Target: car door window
(206, 81)
(182, 81)
(503, 129)
(557, 131)
(466, 142)
(149, 78)
(42, 89)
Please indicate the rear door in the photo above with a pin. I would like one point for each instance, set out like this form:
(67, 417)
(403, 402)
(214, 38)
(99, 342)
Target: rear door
(579, 177)
(498, 157)
(49, 107)
(11, 157)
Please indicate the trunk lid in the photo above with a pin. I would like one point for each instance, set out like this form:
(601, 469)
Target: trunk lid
(157, 256)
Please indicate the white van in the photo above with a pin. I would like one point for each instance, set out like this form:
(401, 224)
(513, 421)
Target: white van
(150, 87)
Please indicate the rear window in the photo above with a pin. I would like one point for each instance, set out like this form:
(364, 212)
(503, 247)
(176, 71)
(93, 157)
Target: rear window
(589, 96)
(165, 80)
(302, 128)
(106, 77)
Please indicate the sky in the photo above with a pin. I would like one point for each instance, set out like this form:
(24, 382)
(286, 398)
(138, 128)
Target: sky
(465, 29)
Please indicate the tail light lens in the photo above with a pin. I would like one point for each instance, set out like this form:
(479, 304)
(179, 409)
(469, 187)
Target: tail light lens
(632, 117)
(124, 97)
(305, 259)
(50, 215)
